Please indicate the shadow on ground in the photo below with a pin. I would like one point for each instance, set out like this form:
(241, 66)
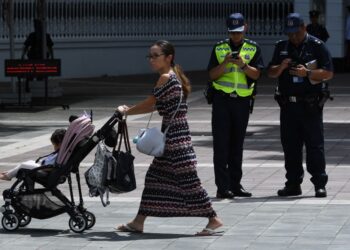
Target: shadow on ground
(265, 199)
(269, 134)
(92, 235)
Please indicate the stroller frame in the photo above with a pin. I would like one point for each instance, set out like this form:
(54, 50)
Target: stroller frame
(15, 216)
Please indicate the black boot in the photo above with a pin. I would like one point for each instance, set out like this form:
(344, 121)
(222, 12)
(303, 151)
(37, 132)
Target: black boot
(320, 192)
(227, 194)
(241, 192)
(290, 190)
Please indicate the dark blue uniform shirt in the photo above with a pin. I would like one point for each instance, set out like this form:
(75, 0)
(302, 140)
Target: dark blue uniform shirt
(311, 49)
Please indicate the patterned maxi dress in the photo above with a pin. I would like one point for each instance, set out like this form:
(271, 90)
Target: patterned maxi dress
(172, 187)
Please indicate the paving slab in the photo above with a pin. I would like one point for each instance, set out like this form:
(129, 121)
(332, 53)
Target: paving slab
(263, 221)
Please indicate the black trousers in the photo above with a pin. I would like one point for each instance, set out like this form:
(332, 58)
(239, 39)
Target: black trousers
(301, 127)
(347, 56)
(229, 124)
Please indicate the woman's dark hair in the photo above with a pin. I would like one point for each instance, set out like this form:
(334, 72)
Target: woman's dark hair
(57, 136)
(168, 49)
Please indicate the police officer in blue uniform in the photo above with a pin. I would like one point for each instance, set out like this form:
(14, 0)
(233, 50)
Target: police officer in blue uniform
(315, 29)
(302, 64)
(235, 65)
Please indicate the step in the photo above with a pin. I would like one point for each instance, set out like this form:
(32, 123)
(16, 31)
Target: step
(12, 98)
(37, 89)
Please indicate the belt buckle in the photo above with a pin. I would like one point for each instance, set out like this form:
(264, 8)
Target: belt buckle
(233, 94)
(292, 98)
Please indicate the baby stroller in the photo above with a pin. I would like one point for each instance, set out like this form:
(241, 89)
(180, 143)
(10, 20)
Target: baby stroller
(24, 202)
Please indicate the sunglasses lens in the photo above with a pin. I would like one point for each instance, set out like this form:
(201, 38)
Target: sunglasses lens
(153, 56)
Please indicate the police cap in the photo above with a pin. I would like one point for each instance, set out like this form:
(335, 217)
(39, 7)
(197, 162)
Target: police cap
(235, 22)
(293, 22)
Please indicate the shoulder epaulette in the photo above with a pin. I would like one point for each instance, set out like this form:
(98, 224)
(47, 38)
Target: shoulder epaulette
(251, 42)
(223, 41)
(315, 40)
(279, 41)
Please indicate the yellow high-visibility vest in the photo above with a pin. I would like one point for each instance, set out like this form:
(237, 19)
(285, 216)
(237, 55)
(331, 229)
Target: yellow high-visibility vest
(234, 78)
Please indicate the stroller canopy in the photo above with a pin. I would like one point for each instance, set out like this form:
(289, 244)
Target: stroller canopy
(78, 130)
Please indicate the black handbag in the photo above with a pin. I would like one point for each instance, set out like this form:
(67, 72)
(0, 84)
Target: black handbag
(121, 175)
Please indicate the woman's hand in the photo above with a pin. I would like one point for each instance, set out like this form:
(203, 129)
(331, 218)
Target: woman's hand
(123, 109)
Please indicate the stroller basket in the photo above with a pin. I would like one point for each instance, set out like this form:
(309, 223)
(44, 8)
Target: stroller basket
(40, 205)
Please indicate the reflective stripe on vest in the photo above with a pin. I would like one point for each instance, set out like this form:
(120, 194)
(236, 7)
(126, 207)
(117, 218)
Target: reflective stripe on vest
(234, 78)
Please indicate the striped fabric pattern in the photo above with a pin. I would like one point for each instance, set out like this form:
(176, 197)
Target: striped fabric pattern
(172, 187)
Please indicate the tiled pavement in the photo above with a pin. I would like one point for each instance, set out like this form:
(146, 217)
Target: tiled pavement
(261, 222)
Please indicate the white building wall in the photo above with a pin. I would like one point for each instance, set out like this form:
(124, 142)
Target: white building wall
(335, 21)
(96, 58)
(118, 58)
(303, 7)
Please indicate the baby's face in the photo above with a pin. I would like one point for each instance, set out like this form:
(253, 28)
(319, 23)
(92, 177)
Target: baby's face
(56, 146)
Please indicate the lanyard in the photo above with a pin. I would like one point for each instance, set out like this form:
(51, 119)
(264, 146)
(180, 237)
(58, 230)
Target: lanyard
(302, 49)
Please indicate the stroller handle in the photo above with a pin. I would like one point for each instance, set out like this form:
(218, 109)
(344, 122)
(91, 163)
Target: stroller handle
(116, 117)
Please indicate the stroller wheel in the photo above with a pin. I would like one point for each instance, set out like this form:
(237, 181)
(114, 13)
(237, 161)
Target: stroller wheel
(10, 222)
(90, 219)
(24, 220)
(77, 224)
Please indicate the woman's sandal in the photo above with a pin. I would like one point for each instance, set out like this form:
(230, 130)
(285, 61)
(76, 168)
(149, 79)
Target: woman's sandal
(209, 232)
(127, 228)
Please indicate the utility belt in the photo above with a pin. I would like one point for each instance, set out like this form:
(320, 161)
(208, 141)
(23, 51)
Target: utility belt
(234, 95)
(230, 95)
(210, 91)
(294, 99)
(312, 102)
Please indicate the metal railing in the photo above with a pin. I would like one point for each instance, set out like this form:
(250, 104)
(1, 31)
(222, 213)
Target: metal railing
(137, 19)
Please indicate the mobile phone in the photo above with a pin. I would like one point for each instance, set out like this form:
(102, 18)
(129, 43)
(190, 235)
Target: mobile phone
(234, 54)
(292, 64)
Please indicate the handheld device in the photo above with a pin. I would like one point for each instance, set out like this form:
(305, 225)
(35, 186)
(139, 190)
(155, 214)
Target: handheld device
(235, 54)
(292, 64)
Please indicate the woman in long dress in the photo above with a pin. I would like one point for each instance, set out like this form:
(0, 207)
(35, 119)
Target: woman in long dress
(172, 187)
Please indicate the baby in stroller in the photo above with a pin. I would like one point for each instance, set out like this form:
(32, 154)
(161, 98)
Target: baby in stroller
(56, 140)
(23, 201)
